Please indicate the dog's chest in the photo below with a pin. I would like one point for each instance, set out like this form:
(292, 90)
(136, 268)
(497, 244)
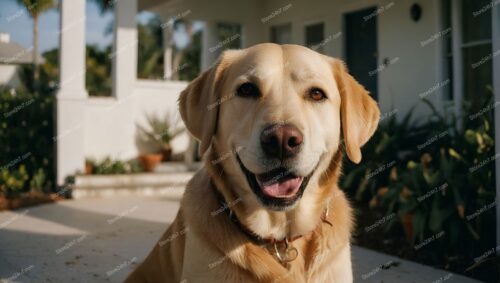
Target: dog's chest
(203, 263)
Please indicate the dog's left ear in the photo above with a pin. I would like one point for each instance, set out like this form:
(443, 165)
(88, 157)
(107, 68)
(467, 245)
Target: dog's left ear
(199, 102)
(359, 113)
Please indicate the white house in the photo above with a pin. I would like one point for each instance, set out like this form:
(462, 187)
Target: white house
(12, 56)
(402, 51)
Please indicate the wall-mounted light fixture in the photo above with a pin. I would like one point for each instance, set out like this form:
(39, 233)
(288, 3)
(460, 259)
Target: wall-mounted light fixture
(416, 12)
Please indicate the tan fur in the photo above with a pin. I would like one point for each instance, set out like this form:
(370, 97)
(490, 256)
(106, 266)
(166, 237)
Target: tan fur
(358, 126)
(203, 244)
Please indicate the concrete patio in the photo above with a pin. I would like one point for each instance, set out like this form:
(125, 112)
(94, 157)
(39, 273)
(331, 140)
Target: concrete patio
(102, 240)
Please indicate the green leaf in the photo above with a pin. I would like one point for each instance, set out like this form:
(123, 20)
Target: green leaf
(454, 154)
(419, 222)
(472, 231)
(439, 215)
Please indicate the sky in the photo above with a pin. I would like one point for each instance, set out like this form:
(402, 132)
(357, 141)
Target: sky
(15, 20)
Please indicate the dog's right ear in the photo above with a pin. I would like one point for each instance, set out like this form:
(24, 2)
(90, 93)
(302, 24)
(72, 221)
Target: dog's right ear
(199, 102)
(359, 112)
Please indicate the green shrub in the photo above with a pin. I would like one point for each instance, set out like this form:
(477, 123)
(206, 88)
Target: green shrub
(98, 70)
(12, 182)
(38, 180)
(110, 166)
(393, 143)
(442, 177)
(26, 136)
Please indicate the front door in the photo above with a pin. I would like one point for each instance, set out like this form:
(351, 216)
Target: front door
(361, 47)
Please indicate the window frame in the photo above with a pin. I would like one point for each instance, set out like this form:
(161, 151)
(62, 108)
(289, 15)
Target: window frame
(304, 33)
(284, 24)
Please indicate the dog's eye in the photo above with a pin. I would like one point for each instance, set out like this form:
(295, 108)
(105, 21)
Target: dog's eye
(248, 90)
(316, 94)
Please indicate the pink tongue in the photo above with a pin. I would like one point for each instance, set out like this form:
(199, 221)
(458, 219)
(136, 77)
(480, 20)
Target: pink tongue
(281, 189)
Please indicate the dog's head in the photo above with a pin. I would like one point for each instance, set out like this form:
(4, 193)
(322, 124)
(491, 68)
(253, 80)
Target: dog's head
(273, 114)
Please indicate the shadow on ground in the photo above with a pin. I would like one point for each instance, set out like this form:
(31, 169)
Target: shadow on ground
(84, 241)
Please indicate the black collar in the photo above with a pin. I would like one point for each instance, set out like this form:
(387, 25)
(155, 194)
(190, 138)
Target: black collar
(249, 233)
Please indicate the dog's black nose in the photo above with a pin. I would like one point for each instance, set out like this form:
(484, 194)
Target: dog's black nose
(281, 140)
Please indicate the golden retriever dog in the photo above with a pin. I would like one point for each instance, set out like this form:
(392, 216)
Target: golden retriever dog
(272, 121)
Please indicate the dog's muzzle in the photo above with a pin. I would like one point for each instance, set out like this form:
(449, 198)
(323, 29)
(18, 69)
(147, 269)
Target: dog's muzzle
(277, 189)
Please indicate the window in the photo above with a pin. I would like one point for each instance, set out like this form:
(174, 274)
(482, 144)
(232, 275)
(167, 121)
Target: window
(228, 37)
(474, 49)
(314, 35)
(448, 47)
(281, 34)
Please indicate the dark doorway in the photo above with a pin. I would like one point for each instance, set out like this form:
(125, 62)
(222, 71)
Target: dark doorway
(361, 47)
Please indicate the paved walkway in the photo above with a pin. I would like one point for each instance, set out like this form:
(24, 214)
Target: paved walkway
(102, 240)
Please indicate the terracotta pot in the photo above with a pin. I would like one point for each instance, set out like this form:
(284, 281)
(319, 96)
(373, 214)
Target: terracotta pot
(28, 199)
(4, 203)
(150, 161)
(166, 152)
(407, 221)
(16, 203)
(89, 168)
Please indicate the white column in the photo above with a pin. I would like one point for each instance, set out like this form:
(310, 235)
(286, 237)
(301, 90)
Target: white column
(441, 74)
(71, 97)
(124, 55)
(209, 42)
(456, 30)
(495, 13)
(167, 50)
(208, 57)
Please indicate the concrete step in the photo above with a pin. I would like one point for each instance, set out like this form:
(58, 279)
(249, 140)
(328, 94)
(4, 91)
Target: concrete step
(177, 167)
(143, 184)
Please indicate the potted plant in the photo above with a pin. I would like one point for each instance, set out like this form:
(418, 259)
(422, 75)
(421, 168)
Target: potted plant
(89, 166)
(149, 161)
(20, 189)
(162, 130)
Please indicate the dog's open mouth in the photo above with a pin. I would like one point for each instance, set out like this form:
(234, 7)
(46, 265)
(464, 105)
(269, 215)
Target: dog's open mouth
(279, 183)
(278, 188)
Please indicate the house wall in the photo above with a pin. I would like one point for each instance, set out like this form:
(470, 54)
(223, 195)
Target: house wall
(111, 124)
(415, 70)
(8, 75)
(245, 12)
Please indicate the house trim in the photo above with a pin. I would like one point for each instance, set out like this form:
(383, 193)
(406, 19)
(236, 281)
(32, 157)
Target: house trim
(456, 29)
(310, 22)
(442, 73)
(268, 28)
(495, 35)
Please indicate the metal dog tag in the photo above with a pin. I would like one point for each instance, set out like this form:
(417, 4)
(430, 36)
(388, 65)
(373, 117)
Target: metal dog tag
(286, 254)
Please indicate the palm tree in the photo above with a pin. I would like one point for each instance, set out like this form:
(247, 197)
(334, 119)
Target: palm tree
(150, 53)
(35, 8)
(181, 53)
(151, 40)
(104, 5)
